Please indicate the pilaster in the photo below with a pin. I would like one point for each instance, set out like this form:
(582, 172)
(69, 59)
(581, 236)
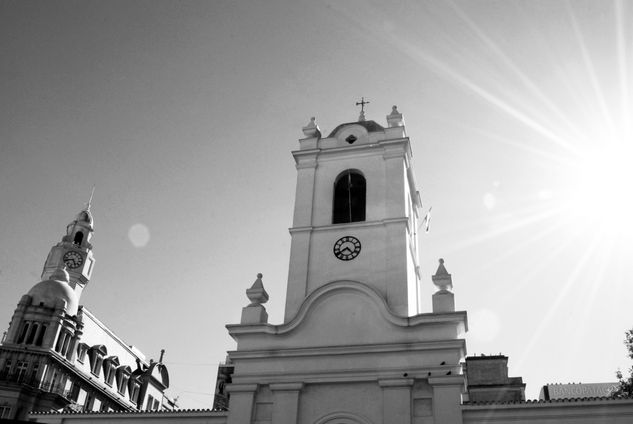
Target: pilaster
(242, 398)
(286, 396)
(396, 400)
(447, 391)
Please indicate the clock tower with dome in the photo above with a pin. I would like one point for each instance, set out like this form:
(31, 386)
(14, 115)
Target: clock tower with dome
(74, 252)
(57, 356)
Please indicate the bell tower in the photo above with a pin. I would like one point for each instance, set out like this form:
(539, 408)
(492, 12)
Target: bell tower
(74, 252)
(356, 212)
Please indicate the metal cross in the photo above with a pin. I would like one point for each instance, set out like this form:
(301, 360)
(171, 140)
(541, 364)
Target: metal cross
(362, 104)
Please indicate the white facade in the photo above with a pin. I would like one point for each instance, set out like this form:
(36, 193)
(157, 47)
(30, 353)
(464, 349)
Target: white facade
(352, 348)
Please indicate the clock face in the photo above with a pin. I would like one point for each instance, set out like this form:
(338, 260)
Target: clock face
(347, 248)
(73, 259)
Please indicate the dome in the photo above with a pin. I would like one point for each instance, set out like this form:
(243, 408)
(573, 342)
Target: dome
(51, 291)
(85, 216)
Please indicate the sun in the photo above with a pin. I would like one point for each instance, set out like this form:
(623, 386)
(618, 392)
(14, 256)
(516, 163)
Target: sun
(597, 193)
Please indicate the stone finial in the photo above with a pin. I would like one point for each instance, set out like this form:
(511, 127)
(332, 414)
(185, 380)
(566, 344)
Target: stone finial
(312, 129)
(257, 293)
(361, 117)
(442, 279)
(394, 119)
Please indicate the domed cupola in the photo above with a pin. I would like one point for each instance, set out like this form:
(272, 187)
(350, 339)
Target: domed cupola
(85, 217)
(55, 292)
(80, 230)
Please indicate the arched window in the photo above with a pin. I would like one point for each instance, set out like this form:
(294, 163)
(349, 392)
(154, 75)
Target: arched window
(32, 333)
(25, 329)
(349, 197)
(40, 336)
(79, 236)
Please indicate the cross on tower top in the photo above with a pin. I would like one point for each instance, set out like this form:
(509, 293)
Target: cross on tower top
(362, 104)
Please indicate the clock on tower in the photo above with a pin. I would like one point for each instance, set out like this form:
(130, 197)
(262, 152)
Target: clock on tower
(74, 252)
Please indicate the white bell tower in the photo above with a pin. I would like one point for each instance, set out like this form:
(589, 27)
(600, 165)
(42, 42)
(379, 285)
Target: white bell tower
(356, 212)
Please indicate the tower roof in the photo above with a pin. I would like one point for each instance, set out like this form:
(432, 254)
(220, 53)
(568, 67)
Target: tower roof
(370, 126)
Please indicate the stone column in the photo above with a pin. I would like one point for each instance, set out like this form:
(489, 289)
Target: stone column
(286, 398)
(241, 407)
(447, 400)
(396, 400)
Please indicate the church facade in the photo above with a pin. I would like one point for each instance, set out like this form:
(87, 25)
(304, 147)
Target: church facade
(57, 355)
(353, 347)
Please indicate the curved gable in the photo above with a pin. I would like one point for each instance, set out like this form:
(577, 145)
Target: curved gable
(344, 313)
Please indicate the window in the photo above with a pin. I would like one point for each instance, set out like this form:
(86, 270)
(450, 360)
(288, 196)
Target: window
(81, 352)
(32, 333)
(7, 366)
(122, 377)
(36, 366)
(88, 402)
(20, 369)
(134, 389)
(109, 366)
(96, 365)
(40, 336)
(349, 198)
(5, 411)
(79, 236)
(96, 354)
(150, 403)
(25, 329)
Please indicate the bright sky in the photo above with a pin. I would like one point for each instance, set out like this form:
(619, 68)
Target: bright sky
(184, 113)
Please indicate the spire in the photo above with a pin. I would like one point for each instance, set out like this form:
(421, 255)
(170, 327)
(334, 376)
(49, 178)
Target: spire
(92, 193)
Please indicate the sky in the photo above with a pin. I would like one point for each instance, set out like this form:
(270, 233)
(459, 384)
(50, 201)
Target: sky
(183, 115)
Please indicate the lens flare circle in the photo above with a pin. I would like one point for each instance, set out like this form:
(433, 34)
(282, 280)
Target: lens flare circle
(139, 235)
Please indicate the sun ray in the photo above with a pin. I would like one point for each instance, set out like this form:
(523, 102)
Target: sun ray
(542, 233)
(592, 73)
(505, 59)
(520, 145)
(445, 71)
(526, 352)
(625, 110)
(529, 219)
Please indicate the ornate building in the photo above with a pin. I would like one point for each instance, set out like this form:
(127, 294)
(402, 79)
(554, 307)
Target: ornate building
(56, 355)
(353, 347)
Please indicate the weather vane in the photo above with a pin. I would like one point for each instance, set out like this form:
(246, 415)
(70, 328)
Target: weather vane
(362, 104)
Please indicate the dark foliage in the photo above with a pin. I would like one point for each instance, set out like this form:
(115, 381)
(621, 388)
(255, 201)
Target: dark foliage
(625, 384)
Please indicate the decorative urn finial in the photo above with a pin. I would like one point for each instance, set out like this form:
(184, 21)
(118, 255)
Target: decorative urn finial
(394, 119)
(257, 293)
(312, 129)
(442, 279)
